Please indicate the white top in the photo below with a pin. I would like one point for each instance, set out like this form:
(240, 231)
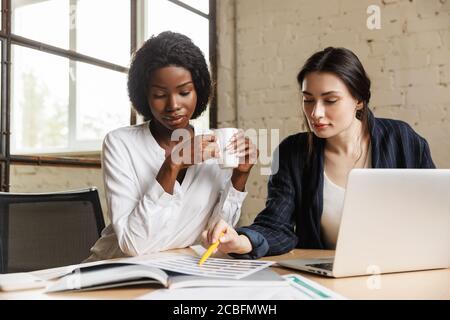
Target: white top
(333, 202)
(144, 218)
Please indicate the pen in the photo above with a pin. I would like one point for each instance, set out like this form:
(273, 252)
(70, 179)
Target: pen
(210, 250)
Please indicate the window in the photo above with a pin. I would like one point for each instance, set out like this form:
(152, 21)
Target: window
(64, 72)
(58, 104)
(201, 5)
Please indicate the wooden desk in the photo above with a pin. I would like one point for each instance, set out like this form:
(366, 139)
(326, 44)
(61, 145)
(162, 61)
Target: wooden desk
(432, 284)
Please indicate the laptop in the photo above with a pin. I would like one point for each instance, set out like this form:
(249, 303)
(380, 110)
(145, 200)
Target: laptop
(393, 220)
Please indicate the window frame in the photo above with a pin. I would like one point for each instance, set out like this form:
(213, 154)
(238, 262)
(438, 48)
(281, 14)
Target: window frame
(8, 39)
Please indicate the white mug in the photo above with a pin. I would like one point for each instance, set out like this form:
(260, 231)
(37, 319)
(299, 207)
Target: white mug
(226, 159)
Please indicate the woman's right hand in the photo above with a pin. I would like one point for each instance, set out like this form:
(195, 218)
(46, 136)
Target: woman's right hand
(230, 242)
(194, 150)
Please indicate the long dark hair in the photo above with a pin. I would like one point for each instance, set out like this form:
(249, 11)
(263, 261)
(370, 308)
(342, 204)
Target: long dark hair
(346, 65)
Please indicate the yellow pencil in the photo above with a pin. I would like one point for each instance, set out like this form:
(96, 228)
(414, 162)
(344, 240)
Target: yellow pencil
(210, 250)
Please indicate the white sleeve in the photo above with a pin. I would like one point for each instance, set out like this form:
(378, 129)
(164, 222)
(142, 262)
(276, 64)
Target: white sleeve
(229, 205)
(140, 219)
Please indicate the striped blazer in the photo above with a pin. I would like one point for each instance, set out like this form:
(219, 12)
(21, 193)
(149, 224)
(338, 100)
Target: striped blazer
(294, 204)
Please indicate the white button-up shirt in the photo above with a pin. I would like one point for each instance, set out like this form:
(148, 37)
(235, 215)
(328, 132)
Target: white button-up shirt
(144, 218)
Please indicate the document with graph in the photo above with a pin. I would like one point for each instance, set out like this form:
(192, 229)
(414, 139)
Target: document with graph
(213, 267)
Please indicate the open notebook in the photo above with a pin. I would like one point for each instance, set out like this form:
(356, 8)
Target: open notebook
(170, 272)
(102, 277)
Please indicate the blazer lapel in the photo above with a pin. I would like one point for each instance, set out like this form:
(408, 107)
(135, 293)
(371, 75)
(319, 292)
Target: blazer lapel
(375, 137)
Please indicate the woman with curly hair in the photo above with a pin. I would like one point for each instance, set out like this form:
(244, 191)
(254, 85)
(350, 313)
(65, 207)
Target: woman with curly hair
(157, 201)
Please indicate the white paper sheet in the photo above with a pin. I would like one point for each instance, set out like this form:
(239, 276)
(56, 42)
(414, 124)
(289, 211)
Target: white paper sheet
(301, 288)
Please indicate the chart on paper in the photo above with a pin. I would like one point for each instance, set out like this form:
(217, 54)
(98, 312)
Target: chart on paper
(213, 267)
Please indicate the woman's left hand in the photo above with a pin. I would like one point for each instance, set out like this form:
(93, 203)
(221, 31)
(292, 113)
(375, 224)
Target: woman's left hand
(246, 150)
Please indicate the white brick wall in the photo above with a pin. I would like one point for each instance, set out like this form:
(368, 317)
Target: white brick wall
(408, 61)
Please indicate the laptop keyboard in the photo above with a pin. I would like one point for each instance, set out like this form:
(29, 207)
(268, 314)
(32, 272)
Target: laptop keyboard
(326, 266)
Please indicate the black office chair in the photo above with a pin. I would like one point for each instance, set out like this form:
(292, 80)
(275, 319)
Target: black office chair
(45, 230)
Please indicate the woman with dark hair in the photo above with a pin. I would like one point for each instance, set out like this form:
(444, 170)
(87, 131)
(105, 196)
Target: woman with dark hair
(306, 194)
(162, 192)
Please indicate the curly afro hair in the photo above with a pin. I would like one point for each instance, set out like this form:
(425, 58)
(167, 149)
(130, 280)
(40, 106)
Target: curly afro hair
(167, 49)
